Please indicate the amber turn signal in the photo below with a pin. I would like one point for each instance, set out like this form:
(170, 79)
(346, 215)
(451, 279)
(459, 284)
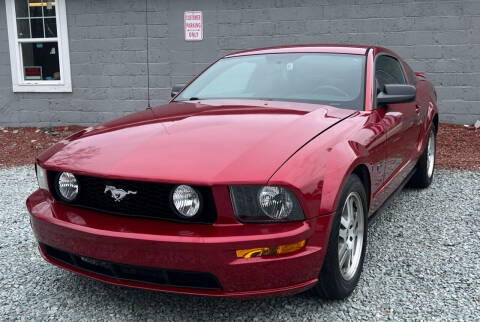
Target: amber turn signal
(267, 251)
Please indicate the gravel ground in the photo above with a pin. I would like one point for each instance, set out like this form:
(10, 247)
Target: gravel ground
(423, 262)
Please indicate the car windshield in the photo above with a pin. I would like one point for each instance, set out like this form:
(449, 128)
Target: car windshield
(331, 79)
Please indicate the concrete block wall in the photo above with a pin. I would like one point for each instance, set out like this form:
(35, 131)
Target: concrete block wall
(108, 49)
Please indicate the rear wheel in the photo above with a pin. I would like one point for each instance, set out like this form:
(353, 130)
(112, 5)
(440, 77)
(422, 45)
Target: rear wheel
(426, 164)
(346, 249)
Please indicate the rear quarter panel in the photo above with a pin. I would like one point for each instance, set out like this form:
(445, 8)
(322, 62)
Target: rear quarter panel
(427, 100)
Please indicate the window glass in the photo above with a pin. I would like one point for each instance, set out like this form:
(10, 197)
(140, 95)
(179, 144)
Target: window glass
(36, 18)
(388, 71)
(37, 27)
(332, 79)
(225, 84)
(21, 9)
(50, 27)
(40, 61)
(23, 28)
(49, 9)
(36, 8)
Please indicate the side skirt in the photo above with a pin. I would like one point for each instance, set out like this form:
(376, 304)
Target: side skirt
(392, 196)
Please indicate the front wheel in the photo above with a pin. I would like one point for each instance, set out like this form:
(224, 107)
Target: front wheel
(425, 167)
(346, 248)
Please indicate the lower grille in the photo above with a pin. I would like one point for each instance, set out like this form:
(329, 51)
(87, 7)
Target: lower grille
(156, 276)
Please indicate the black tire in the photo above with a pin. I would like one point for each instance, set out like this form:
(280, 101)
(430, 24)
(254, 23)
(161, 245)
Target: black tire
(332, 285)
(422, 178)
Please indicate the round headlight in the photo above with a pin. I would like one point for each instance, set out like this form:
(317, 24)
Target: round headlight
(186, 200)
(67, 186)
(275, 202)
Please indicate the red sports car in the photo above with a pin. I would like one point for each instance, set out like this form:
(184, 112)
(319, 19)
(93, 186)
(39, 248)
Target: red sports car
(256, 179)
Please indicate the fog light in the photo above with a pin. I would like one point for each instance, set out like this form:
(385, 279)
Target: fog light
(67, 186)
(267, 251)
(186, 200)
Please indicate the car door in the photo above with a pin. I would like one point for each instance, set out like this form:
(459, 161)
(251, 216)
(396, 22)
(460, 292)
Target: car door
(402, 126)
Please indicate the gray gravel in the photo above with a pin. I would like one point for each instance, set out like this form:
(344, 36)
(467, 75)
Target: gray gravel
(423, 262)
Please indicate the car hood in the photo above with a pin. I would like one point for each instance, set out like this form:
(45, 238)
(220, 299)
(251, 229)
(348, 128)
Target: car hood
(208, 142)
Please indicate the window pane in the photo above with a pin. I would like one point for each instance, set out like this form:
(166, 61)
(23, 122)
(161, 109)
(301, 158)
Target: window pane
(50, 27)
(49, 9)
(36, 8)
(21, 8)
(40, 61)
(388, 71)
(23, 28)
(37, 28)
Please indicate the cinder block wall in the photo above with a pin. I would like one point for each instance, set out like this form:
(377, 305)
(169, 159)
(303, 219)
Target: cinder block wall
(108, 49)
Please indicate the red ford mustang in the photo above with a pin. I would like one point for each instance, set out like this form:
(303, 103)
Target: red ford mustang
(256, 179)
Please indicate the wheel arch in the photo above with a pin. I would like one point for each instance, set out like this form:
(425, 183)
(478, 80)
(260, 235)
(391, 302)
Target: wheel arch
(336, 181)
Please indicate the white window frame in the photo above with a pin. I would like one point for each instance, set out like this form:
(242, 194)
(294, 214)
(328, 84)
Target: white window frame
(19, 84)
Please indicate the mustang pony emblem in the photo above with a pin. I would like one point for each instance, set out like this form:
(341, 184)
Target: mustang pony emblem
(118, 194)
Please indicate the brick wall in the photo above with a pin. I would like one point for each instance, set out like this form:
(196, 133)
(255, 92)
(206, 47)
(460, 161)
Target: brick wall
(108, 49)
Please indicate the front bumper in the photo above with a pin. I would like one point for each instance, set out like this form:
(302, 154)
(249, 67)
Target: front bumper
(186, 247)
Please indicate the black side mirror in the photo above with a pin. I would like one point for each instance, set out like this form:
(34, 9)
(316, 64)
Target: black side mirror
(396, 93)
(176, 89)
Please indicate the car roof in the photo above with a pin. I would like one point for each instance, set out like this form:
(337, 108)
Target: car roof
(307, 48)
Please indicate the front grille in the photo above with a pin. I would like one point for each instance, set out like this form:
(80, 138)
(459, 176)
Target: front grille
(152, 199)
(156, 276)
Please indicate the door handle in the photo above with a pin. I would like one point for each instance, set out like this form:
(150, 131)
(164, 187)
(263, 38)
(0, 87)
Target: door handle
(417, 108)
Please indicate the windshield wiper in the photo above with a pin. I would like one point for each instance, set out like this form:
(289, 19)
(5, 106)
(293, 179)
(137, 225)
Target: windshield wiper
(194, 99)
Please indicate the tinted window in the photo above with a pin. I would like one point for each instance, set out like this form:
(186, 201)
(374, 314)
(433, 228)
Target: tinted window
(332, 79)
(388, 71)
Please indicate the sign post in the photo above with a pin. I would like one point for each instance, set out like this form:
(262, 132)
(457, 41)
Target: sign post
(193, 22)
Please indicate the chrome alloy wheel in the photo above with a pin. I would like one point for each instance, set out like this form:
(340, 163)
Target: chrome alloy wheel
(430, 154)
(350, 236)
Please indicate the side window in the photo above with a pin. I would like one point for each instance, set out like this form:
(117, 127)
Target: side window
(388, 71)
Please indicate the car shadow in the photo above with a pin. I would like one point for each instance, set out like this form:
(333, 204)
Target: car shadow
(146, 304)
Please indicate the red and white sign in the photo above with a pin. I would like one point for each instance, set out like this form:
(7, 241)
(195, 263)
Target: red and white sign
(33, 72)
(193, 21)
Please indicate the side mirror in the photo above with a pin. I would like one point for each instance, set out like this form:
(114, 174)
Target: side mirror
(396, 93)
(176, 89)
